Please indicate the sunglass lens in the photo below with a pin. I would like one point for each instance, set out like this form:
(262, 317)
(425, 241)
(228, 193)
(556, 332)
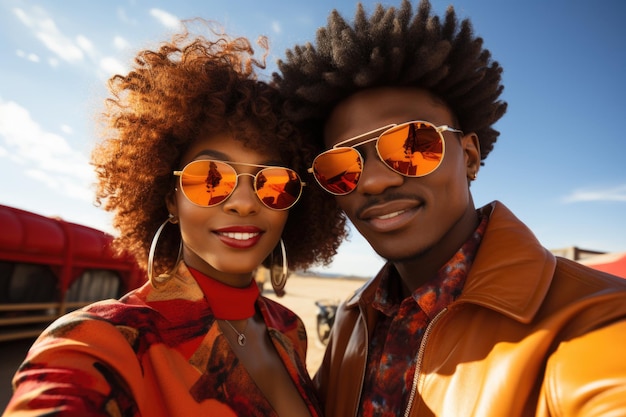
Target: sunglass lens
(208, 183)
(278, 188)
(412, 149)
(338, 170)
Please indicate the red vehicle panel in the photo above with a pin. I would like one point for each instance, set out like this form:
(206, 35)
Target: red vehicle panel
(49, 266)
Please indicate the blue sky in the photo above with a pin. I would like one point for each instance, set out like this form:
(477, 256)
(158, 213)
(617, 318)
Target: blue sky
(559, 164)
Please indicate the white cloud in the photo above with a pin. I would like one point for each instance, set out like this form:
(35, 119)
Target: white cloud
(42, 176)
(617, 193)
(276, 27)
(61, 47)
(70, 49)
(67, 129)
(120, 43)
(166, 19)
(111, 66)
(86, 45)
(46, 156)
(47, 32)
(78, 49)
(29, 57)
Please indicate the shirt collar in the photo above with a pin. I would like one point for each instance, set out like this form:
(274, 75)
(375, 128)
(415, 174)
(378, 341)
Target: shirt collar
(437, 293)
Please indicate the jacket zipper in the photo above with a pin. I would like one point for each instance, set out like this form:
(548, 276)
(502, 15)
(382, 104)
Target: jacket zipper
(418, 362)
(367, 344)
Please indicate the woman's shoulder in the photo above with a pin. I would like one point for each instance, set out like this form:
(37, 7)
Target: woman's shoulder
(133, 320)
(103, 316)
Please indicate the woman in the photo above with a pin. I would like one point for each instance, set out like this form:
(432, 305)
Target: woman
(193, 164)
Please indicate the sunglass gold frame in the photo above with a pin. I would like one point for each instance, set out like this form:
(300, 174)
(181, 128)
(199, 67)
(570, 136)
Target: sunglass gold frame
(383, 130)
(179, 174)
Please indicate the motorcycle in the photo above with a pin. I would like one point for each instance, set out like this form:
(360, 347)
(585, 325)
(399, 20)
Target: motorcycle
(325, 318)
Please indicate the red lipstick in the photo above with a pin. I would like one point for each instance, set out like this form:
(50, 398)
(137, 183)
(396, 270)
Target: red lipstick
(239, 237)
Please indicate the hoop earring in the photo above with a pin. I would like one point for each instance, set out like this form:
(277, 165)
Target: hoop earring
(279, 272)
(162, 277)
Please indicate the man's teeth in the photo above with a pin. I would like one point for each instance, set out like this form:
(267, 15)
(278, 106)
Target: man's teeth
(391, 215)
(240, 236)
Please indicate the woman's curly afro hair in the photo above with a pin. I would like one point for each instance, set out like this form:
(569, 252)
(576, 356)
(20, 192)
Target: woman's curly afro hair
(393, 47)
(193, 86)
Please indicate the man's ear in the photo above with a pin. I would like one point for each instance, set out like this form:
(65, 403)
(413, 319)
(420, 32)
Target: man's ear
(471, 152)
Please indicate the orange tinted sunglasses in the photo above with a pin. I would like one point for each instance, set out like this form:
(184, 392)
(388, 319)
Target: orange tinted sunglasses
(412, 149)
(208, 182)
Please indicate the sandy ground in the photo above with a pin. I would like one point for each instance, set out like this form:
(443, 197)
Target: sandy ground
(301, 294)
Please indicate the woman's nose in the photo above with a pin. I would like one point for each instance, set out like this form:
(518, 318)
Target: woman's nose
(243, 200)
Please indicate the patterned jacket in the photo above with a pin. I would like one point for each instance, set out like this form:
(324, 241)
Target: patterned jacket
(155, 352)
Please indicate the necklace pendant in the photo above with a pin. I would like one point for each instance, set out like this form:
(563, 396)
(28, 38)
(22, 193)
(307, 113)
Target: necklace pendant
(241, 338)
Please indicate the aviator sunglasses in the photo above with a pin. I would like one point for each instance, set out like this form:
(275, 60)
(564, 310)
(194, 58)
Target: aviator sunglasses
(412, 149)
(208, 182)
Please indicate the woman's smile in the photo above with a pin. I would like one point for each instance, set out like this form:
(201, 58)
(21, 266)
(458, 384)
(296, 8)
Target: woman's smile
(239, 237)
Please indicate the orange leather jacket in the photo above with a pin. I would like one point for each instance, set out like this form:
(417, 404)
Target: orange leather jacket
(531, 335)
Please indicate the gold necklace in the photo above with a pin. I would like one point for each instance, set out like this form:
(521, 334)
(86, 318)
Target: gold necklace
(241, 338)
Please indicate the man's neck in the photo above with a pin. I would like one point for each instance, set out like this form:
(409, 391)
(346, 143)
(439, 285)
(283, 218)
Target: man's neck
(421, 268)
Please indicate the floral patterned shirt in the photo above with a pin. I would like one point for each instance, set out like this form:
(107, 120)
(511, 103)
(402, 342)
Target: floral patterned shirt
(400, 328)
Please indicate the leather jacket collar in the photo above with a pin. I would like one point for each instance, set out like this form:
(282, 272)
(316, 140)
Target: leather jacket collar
(517, 299)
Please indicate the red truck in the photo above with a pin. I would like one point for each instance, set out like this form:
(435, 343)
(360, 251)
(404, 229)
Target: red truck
(49, 266)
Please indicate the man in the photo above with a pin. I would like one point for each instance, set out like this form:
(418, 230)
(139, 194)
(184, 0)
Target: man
(470, 316)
